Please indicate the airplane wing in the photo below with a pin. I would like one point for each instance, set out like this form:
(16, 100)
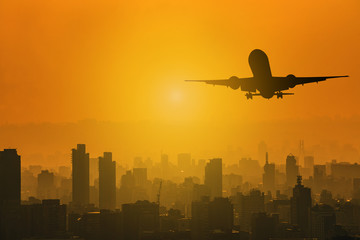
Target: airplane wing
(304, 80)
(233, 82)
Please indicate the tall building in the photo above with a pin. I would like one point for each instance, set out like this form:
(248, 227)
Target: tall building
(292, 170)
(213, 177)
(221, 216)
(10, 181)
(140, 220)
(46, 187)
(184, 161)
(107, 182)
(269, 176)
(200, 226)
(80, 176)
(300, 206)
(247, 205)
(319, 177)
(309, 162)
(140, 176)
(323, 220)
(46, 220)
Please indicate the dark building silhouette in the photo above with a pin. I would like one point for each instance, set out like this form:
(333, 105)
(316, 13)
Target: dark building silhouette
(246, 205)
(46, 187)
(211, 217)
(263, 226)
(356, 188)
(200, 226)
(103, 225)
(301, 206)
(47, 219)
(107, 182)
(221, 216)
(10, 181)
(292, 170)
(269, 176)
(80, 176)
(319, 177)
(140, 220)
(213, 177)
(323, 221)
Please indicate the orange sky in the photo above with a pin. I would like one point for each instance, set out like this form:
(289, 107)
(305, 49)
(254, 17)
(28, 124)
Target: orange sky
(125, 61)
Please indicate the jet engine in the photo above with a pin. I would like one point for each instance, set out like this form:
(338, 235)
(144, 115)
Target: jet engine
(291, 78)
(234, 82)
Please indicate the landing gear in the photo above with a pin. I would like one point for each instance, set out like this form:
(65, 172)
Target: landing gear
(249, 95)
(279, 95)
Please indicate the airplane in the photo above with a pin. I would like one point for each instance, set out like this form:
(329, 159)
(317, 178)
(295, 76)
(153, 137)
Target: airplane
(263, 83)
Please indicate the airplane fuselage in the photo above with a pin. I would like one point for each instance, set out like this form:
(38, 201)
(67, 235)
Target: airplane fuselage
(260, 67)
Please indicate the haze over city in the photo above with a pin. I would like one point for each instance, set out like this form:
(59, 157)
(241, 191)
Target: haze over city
(101, 138)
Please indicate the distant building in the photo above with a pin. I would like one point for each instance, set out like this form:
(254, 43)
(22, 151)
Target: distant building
(10, 181)
(213, 177)
(80, 176)
(263, 226)
(300, 207)
(200, 226)
(245, 206)
(47, 220)
(269, 176)
(211, 217)
(140, 220)
(323, 221)
(184, 161)
(46, 186)
(292, 170)
(319, 177)
(140, 176)
(107, 182)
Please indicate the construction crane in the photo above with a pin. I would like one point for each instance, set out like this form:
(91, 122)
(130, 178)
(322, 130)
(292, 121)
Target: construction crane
(158, 195)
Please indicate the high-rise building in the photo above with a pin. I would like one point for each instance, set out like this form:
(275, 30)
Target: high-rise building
(319, 177)
(46, 220)
(309, 162)
(140, 176)
(10, 181)
(300, 206)
(247, 205)
(46, 187)
(80, 176)
(269, 175)
(93, 170)
(140, 220)
(213, 177)
(221, 216)
(200, 228)
(184, 161)
(292, 170)
(323, 220)
(107, 182)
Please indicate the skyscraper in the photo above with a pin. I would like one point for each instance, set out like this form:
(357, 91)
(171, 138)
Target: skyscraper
(80, 176)
(184, 161)
(269, 175)
(292, 170)
(107, 182)
(213, 177)
(46, 187)
(9, 194)
(300, 206)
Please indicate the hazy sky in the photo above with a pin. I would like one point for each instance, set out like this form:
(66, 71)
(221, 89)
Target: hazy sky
(125, 61)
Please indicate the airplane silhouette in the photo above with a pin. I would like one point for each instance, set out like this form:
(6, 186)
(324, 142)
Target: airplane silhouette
(262, 80)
